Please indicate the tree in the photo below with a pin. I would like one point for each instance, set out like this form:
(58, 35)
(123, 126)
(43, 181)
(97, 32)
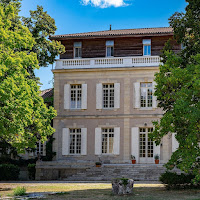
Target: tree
(24, 118)
(41, 25)
(178, 91)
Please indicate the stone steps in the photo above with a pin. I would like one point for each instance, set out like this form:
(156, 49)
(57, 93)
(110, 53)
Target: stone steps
(139, 172)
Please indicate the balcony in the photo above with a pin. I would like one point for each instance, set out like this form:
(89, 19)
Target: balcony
(85, 63)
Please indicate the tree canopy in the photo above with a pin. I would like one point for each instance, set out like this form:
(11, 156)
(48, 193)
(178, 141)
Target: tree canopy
(41, 25)
(24, 118)
(178, 91)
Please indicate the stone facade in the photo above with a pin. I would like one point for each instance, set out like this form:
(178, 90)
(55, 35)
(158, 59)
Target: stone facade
(125, 117)
(128, 120)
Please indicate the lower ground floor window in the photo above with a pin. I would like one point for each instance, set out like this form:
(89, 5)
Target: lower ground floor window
(146, 144)
(75, 141)
(107, 140)
(40, 148)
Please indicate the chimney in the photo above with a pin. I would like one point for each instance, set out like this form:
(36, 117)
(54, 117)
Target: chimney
(110, 27)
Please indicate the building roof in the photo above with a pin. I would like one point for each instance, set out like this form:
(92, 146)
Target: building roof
(122, 32)
(47, 93)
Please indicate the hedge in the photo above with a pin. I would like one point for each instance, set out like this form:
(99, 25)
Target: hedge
(9, 172)
(31, 171)
(173, 180)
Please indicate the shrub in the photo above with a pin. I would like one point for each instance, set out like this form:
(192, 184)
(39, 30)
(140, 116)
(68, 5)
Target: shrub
(174, 180)
(19, 191)
(9, 172)
(20, 162)
(31, 171)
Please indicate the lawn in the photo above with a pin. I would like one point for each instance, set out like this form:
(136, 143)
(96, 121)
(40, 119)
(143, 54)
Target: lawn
(101, 191)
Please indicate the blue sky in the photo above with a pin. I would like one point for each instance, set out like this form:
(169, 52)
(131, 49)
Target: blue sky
(75, 16)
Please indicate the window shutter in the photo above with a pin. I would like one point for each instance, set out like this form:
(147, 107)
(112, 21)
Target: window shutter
(44, 148)
(154, 98)
(137, 94)
(84, 96)
(99, 96)
(116, 146)
(117, 95)
(175, 143)
(65, 141)
(67, 96)
(98, 138)
(83, 141)
(135, 143)
(156, 149)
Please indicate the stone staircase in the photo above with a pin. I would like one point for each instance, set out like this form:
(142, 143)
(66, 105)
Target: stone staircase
(138, 172)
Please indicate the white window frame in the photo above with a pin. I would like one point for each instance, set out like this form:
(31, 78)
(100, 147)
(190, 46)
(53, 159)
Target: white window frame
(40, 148)
(71, 133)
(146, 91)
(109, 95)
(147, 141)
(77, 91)
(110, 44)
(146, 43)
(78, 46)
(110, 131)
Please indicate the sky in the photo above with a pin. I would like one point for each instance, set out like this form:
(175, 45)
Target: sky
(76, 16)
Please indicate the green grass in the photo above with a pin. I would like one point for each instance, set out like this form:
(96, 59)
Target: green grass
(100, 191)
(19, 191)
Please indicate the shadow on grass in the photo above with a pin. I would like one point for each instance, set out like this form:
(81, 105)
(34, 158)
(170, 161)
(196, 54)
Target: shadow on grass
(139, 193)
(5, 189)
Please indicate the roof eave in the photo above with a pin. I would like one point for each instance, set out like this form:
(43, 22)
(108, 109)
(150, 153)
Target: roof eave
(109, 36)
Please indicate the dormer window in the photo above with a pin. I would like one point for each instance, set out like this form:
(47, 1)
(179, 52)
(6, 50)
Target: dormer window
(146, 47)
(109, 48)
(77, 49)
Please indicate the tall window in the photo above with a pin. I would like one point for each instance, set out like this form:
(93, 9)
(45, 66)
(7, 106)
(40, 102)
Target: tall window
(146, 144)
(109, 48)
(147, 47)
(76, 96)
(75, 141)
(146, 95)
(40, 148)
(107, 140)
(77, 49)
(108, 95)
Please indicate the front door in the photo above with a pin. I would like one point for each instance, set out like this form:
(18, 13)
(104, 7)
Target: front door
(146, 149)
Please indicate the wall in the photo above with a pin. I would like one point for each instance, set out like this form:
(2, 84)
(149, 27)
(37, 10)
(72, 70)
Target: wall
(125, 117)
(123, 47)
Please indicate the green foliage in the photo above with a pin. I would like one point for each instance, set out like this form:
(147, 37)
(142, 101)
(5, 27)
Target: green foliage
(31, 171)
(178, 92)
(19, 191)
(173, 180)
(156, 157)
(124, 181)
(19, 162)
(49, 150)
(132, 157)
(24, 118)
(9, 172)
(42, 26)
(6, 150)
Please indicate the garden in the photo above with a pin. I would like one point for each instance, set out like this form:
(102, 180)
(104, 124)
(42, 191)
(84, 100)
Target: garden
(102, 191)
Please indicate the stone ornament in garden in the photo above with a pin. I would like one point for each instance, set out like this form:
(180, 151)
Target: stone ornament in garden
(121, 186)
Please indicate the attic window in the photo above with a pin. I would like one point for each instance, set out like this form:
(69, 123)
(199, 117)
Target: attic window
(77, 49)
(147, 47)
(109, 48)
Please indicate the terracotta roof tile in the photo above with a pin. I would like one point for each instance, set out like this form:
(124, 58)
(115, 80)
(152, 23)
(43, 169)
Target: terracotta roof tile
(46, 93)
(123, 32)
